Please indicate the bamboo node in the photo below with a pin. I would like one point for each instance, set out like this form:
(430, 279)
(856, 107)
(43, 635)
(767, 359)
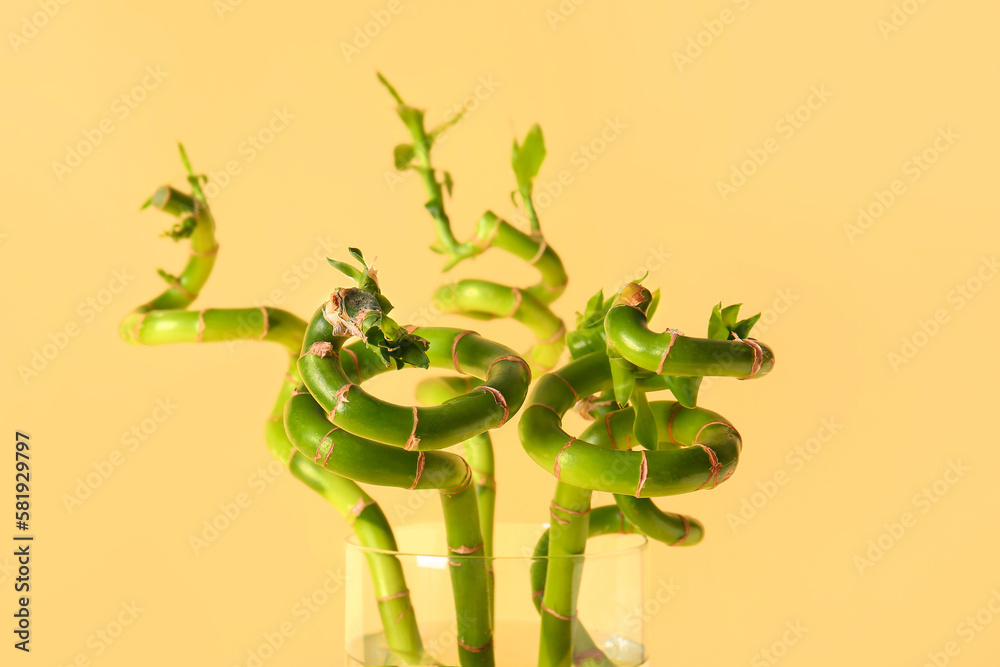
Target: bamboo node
(673, 338)
(501, 401)
(643, 473)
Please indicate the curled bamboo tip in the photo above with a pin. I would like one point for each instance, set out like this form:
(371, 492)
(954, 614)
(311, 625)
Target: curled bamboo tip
(635, 295)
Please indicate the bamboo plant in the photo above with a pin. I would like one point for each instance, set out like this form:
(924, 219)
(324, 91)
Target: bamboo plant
(333, 435)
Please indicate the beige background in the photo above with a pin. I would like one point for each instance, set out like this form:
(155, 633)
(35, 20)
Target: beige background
(838, 300)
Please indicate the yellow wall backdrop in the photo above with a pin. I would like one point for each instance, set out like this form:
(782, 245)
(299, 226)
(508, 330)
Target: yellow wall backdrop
(832, 165)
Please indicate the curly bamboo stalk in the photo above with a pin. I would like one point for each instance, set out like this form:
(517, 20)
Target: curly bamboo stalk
(484, 299)
(166, 320)
(684, 448)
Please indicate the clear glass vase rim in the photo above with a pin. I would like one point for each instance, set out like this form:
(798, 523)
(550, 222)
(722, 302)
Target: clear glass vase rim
(642, 543)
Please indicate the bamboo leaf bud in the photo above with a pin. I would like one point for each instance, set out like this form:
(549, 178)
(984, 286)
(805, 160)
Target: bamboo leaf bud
(527, 158)
(356, 312)
(623, 376)
(654, 302)
(402, 156)
(645, 424)
(167, 277)
(589, 333)
(440, 129)
(723, 323)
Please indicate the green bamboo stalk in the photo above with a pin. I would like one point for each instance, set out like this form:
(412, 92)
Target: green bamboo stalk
(353, 409)
(695, 465)
(682, 447)
(495, 232)
(570, 512)
(560, 625)
(375, 441)
(479, 454)
(373, 531)
(165, 320)
(483, 299)
(613, 430)
(373, 462)
(609, 430)
(418, 157)
(469, 576)
(486, 299)
(604, 520)
(673, 354)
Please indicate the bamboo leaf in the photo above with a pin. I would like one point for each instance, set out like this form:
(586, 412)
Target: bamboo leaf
(384, 303)
(414, 354)
(168, 277)
(623, 378)
(527, 158)
(413, 119)
(589, 334)
(645, 424)
(184, 159)
(392, 91)
(684, 389)
(402, 155)
(717, 329)
(594, 305)
(722, 323)
(440, 129)
(654, 301)
(434, 208)
(348, 270)
(182, 230)
(742, 328)
(729, 315)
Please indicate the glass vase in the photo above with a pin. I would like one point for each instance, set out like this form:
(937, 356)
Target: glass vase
(613, 582)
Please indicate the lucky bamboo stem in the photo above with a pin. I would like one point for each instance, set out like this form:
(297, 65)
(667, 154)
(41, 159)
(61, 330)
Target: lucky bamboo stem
(685, 448)
(479, 454)
(469, 576)
(347, 430)
(570, 512)
(602, 521)
(165, 320)
(480, 298)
